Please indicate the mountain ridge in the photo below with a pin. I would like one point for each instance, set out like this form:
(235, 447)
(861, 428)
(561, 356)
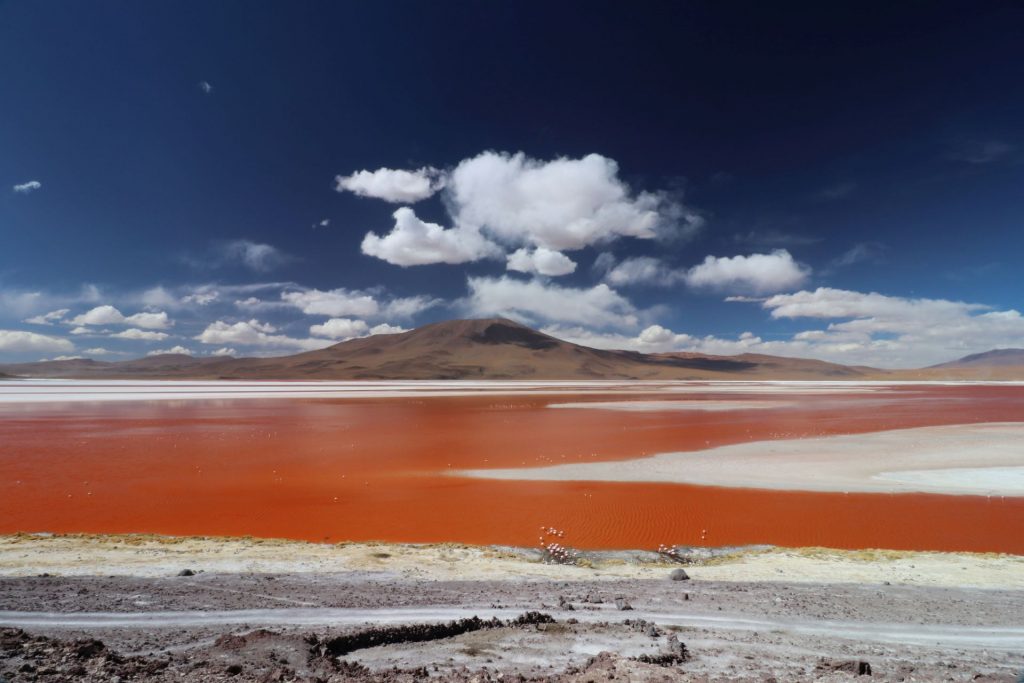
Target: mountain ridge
(993, 358)
(490, 348)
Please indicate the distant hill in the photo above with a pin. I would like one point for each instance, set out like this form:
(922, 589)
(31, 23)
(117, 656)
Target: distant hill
(493, 348)
(994, 358)
(496, 348)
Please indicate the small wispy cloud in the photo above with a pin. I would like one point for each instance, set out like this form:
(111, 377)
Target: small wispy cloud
(206, 87)
(836, 192)
(973, 273)
(862, 252)
(100, 351)
(775, 238)
(25, 188)
(981, 151)
(254, 255)
(48, 318)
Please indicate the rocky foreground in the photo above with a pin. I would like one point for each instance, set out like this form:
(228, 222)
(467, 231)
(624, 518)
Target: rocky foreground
(401, 613)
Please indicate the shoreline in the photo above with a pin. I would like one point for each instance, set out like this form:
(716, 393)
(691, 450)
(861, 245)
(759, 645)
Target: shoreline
(148, 555)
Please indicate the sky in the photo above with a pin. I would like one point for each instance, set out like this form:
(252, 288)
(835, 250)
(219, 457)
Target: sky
(842, 181)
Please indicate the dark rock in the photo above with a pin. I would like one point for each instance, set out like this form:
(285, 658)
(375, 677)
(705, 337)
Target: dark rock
(277, 676)
(679, 575)
(853, 666)
(86, 649)
(233, 669)
(416, 633)
(186, 572)
(232, 641)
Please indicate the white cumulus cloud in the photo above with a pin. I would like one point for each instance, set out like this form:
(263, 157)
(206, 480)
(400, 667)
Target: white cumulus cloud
(20, 340)
(826, 302)
(864, 328)
(340, 328)
(386, 328)
(541, 261)
(407, 306)
(562, 204)
(136, 334)
(157, 320)
(393, 185)
(536, 301)
(100, 315)
(335, 302)
(100, 351)
(158, 297)
(756, 273)
(109, 315)
(642, 270)
(179, 350)
(512, 200)
(413, 242)
(255, 333)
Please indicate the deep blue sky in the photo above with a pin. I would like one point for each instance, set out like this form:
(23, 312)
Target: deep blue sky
(880, 144)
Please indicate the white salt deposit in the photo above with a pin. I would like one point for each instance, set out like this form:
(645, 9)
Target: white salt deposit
(978, 459)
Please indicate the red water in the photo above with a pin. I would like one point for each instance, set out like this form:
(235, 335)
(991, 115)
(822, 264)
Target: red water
(374, 469)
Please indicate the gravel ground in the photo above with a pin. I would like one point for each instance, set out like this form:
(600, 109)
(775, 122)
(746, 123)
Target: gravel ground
(191, 628)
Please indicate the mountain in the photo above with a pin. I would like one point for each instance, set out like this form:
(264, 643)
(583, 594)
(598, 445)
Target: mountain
(163, 365)
(493, 348)
(990, 359)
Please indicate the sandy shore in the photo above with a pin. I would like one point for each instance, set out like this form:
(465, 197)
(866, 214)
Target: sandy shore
(154, 556)
(975, 459)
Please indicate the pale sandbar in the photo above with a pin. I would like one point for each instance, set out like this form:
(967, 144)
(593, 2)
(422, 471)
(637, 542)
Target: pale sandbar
(975, 459)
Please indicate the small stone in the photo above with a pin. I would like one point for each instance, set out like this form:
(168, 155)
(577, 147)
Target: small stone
(679, 575)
